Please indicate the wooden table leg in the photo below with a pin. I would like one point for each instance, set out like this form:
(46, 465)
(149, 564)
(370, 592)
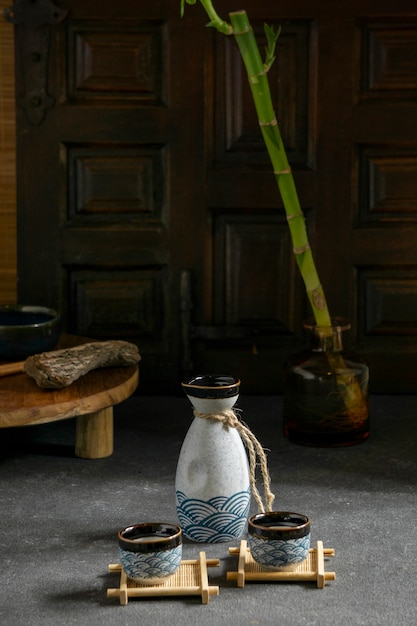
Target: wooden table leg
(94, 434)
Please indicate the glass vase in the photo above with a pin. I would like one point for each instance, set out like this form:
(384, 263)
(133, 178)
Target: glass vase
(326, 391)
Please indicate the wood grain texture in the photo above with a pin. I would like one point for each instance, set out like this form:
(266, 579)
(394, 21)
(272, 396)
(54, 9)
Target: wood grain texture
(94, 434)
(60, 368)
(7, 163)
(133, 199)
(22, 402)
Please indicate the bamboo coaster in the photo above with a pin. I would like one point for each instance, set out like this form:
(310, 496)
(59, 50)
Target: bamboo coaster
(311, 569)
(191, 579)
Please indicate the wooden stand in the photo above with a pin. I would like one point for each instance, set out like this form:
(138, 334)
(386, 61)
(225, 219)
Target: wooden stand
(312, 569)
(94, 434)
(89, 399)
(191, 579)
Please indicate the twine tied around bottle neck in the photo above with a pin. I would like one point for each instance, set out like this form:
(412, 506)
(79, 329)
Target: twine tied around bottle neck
(229, 419)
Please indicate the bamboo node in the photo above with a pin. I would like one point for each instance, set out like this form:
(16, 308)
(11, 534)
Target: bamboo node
(317, 298)
(302, 249)
(271, 123)
(287, 170)
(253, 78)
(245, 31)
(294, 216)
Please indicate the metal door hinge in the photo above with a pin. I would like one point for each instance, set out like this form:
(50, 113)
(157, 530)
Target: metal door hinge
(33, 20)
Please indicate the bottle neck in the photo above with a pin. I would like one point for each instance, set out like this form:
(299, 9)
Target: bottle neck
(327, 339)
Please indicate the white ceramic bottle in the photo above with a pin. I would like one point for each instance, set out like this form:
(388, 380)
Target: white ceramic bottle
(212, 479)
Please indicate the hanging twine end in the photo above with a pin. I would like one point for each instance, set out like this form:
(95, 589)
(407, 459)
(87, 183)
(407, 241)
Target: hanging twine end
(229, 419)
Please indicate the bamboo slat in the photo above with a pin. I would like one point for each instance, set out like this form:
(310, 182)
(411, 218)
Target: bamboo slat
(191, 579)
(312, 569)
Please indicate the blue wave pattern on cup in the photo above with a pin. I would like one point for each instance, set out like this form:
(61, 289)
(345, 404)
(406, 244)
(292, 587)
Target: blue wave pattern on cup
(216, 520)
(150, 568)
(279, 553)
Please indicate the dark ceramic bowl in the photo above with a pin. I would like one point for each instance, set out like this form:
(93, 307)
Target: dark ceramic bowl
(27, 330)
(150, 552)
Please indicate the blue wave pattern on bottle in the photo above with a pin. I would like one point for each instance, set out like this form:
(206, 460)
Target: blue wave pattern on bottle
(151, 565)
(278, 553)
(220, 519)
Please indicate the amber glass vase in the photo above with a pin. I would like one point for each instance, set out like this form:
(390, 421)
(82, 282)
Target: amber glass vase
(326, 391)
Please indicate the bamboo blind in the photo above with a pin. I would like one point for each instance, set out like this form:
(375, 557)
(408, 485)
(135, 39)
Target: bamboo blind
(7, 162)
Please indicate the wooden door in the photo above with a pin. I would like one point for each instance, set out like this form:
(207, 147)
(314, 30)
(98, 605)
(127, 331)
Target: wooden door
(147, 206)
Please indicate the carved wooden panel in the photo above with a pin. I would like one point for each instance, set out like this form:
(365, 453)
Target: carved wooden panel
(116, 60)
(149, 161)
(390, 59)
(384, 237)
(389, 300)
(126, 304)
(116, 182)
(255, 281)
(236, 133)
(387, 183)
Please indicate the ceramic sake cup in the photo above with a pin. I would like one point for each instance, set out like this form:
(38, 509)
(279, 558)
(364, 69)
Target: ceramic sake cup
(150, 552)
(279, 540)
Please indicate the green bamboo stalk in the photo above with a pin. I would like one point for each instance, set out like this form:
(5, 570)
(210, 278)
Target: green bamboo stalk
(258, 81)
(257, 72)
(259, 84)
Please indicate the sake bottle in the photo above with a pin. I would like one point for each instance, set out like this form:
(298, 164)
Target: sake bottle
(212, 478)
